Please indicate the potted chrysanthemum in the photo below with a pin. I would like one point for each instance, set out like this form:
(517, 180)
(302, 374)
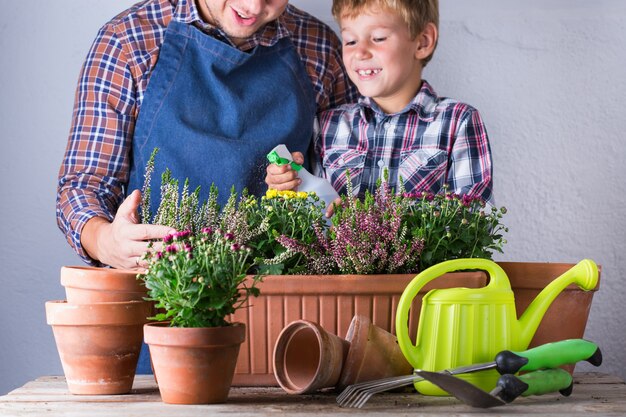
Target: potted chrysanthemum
(197, 280)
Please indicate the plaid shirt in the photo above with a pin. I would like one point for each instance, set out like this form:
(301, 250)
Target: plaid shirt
(432, 142)
(114, 78)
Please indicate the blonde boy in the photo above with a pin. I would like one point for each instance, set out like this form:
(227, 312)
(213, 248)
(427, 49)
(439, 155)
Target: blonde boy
(399, 124)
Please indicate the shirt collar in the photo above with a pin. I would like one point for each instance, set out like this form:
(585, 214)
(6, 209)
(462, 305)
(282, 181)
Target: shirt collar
(424, 104)
(187, 12)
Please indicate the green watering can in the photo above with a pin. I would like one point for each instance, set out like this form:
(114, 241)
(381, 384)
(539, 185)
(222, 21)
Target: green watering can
(464, 326)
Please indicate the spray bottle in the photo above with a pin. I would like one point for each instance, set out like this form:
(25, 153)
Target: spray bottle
(280, 155)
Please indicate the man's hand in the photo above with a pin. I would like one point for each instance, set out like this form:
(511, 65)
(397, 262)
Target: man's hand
(284, 177)
(123, 242)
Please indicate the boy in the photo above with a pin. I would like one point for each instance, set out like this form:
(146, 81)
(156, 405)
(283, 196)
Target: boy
(399, 124)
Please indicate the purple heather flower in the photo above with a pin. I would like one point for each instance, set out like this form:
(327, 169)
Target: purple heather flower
(235, 247)
(229, 236)
(171, 249)
(207, 230)
(168, 238)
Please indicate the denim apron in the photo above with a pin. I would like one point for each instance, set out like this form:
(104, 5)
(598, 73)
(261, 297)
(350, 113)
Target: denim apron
(215, 112)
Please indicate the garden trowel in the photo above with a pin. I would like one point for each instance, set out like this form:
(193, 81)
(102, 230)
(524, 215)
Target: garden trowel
(507, 389)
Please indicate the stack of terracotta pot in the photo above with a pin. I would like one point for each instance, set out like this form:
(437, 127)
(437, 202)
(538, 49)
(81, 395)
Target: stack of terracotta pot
(308, 358)
(99, 329)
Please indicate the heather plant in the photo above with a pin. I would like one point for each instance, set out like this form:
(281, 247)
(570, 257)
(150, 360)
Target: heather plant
(454, 226)
(366, 237)
(240, 217)
(182, 209)
(179, 209)
(198, 279)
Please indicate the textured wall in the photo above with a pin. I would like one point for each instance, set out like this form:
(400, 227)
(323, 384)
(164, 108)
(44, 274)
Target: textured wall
(548, 80)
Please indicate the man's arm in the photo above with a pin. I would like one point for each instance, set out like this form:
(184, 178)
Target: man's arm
(96, 163)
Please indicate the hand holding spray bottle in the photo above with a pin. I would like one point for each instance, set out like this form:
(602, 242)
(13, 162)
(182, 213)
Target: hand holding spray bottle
(280, 155)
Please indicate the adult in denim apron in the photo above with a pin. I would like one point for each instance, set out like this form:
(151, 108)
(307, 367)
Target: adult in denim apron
(215, 112)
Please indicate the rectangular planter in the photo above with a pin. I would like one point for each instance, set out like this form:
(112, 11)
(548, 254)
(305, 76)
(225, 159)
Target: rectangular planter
(331, 301)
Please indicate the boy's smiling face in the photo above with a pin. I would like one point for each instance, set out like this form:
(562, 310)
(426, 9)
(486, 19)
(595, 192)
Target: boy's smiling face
(381, 58)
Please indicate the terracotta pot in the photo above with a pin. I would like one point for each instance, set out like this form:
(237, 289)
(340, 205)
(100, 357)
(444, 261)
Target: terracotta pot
(194, 365)
(87, 285)
(98, 344)
(329, 300)
(308, 358)
(374, 354)
(566, 318)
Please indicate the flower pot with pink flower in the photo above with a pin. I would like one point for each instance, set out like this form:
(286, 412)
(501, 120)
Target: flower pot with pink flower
(197, 280)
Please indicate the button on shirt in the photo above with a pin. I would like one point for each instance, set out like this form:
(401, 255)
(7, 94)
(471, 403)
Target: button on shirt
(433, 141)
(114, 77)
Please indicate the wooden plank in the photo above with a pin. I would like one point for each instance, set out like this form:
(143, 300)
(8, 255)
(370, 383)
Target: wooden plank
(593, 394)
(54, 389)
(596, 378)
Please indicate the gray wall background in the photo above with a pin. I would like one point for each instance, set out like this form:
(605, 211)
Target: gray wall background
(548, 78)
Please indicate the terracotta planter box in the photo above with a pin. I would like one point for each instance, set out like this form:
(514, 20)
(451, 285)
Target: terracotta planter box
(331, 301)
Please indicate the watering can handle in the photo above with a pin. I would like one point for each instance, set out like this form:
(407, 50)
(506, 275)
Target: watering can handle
(498, 279)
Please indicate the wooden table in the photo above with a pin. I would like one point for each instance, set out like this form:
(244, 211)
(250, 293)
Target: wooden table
(48, 396)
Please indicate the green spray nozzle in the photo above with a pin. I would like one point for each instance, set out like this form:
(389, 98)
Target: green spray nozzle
(274, 158)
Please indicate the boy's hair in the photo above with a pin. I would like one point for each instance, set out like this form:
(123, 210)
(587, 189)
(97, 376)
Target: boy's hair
(415, 13)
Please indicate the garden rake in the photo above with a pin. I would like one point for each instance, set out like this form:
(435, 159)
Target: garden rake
(550, 355)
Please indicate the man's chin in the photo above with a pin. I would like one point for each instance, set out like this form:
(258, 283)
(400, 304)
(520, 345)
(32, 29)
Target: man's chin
(239, 35)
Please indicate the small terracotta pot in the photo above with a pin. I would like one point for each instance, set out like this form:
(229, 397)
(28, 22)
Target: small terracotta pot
(308, 358)
(194, 365)
(374, 354)
(87, 285)
(98, 344)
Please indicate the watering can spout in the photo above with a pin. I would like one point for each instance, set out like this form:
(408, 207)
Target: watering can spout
(584, 274)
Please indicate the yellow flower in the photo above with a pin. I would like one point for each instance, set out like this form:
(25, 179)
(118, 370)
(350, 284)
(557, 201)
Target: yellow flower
(302, 194)
(287, 194)
(271, 193)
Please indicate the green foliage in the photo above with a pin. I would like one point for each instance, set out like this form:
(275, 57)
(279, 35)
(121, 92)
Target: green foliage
(199, 279)
(286, 231)
(454, 226)
(287, 213)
